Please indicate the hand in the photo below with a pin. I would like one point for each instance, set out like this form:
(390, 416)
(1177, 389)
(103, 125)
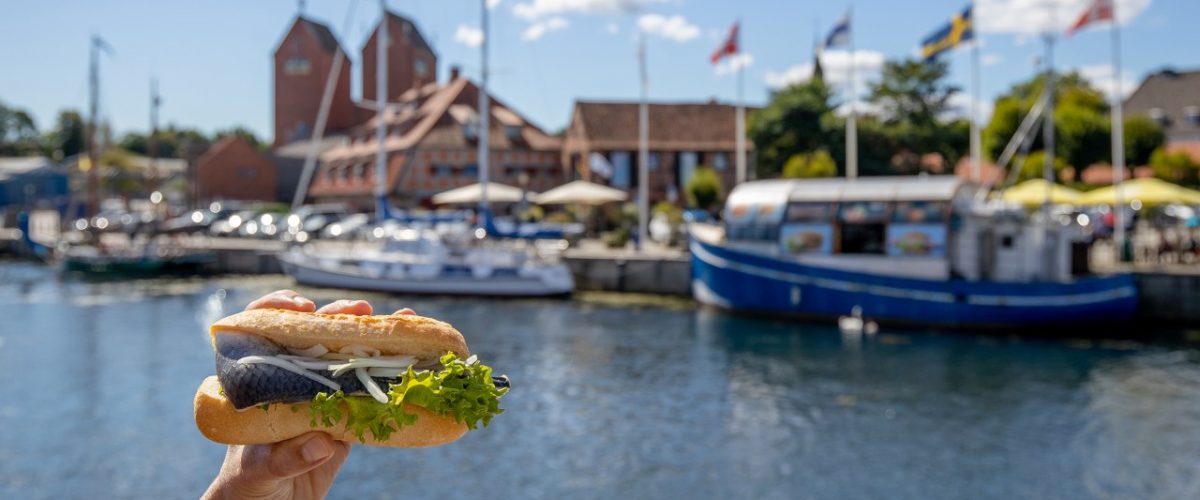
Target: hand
(301, 467)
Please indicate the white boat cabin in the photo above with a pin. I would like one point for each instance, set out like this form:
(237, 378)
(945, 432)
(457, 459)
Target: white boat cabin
(927, 227)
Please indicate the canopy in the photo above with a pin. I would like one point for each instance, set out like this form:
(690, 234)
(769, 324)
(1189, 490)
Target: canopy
(496, 192)
(581, 192)
(1032, 193)
(1148, 191)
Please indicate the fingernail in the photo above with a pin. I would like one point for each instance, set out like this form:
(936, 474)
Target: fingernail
(315, 450)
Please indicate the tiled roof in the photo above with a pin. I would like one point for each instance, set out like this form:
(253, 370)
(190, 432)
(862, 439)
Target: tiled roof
(1172, 92)
(322, 33)
(409, 29)
(675, 126)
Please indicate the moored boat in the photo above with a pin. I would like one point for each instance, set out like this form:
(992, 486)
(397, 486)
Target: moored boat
(911, 250)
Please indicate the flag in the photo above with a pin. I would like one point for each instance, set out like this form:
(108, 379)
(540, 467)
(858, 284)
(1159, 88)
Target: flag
(1100, 10)
(840, 35)
(959, 30)
(599, 165)
(729, 47)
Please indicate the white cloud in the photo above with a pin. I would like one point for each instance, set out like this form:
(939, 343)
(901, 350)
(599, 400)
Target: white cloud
(1033, 17)
(537, 9)
(612, 28)
(468, 35)
(836, 67)
(540, 28)
(961, 107)
(672, 28)
(1101, 77)
(491, 4)
(731, 64)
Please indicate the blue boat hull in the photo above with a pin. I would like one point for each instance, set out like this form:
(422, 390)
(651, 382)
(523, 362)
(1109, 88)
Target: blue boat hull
(743, 281)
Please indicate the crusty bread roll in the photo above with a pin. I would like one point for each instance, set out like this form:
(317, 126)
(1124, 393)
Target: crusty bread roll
(424, 338)
(220, 422)
(421, 337)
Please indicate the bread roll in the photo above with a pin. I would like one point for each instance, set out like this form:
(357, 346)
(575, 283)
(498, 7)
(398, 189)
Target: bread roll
(424, 338)
(220, 422)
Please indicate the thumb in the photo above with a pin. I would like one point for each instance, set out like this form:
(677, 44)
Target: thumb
(301, 454)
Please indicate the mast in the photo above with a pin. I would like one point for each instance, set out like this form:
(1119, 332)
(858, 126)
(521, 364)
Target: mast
(976, 142)
(152, 146)
(1118, 140)
(484, 116)
(852, 118)
(741, 110)
(93, 123)
(1048, 120)
(381, 43)
(643, 146)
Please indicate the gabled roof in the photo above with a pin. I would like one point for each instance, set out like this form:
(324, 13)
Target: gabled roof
(408, 29)
(1170, 91)
(673, 126)
(320, 32)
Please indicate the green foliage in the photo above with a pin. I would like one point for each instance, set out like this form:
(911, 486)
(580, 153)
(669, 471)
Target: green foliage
(913, 92)
(18, 133)
(798, 119)
(806, 165)
(68, 137)
(704, 190)
(1142, 137)
(674, 213)
(460, 390)
(1035, 164)
(1178, 167)
(244, 133)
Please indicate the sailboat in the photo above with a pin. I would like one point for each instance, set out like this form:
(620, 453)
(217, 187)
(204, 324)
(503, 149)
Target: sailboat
(450, 259)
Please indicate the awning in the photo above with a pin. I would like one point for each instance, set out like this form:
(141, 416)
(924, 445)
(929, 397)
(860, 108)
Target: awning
(1032, 193)
(1148, 191)
(496, 193)
(580, 192)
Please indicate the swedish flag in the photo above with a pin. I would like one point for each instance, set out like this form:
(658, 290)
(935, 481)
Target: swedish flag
(959, 30)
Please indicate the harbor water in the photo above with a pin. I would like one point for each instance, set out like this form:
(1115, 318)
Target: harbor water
(614, 400)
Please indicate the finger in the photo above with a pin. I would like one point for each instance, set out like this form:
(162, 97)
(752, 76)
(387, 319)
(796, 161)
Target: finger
(299, 455)
(323, 475)
(406, 311)
(283, 299)
(346, 306)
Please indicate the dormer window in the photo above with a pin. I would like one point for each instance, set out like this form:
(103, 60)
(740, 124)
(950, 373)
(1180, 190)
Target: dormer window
(1160, 117)
(297, 66)
(513, 132)
(1192, 115)
(421, 68)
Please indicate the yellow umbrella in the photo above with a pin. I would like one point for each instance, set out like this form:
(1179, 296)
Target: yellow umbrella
(1033, 193)
(1148, 191)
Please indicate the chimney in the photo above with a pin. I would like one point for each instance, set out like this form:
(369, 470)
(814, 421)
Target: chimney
(454, 72)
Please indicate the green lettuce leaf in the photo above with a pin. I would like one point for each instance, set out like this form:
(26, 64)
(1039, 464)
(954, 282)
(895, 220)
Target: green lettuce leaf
(459, 390)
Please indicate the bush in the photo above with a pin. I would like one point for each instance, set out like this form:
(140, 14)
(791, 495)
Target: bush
(807, 165)
(704, 190)
(1035, 162)
(1174, 167)
(674, 213)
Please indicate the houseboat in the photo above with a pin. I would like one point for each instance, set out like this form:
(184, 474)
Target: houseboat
(926, 250)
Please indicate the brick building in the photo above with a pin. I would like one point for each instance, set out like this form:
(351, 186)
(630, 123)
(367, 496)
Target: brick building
(302, 62)
(411, 61)
(232, 169)
(432, 136)
(1171, 98)
(683, 137)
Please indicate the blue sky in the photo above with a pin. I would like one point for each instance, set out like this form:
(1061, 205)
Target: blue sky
(212, 58)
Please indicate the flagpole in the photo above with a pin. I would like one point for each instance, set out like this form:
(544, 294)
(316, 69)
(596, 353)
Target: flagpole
(1118, 141)
(741, 112)
(643, 146)
(381, 97)
(976, 142)
(484, 153)
(852, 119)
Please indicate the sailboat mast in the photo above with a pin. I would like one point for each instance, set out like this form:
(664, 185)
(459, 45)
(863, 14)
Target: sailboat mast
(93, 112)
(484, 114)
(381, 45)
(1048, 118)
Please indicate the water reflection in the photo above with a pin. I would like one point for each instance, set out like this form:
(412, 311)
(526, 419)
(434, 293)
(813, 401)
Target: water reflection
(608, 401)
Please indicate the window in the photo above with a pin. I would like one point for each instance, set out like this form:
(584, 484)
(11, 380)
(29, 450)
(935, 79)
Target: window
(917, 212)
(1192, 115)
(247, 172)
(441, 171)
(809, 212)
(360, 171)
(420, 67)
(720, 161)
(513, 132)
(297, 66)
(652, 162)
(621, 163)
(471, 171)
(1160, 117)
(857, 212)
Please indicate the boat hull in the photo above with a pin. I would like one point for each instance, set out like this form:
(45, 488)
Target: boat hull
(743, 281)
(514, 285)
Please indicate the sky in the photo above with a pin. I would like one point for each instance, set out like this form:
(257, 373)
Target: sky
(212, 58)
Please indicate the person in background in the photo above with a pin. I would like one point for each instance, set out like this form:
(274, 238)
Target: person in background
(302, 467)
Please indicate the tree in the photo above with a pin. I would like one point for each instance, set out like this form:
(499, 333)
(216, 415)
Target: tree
(1035, 165)
(1142, 137)
(913, 92)
(242, 132)
(1176, 167)
(704, 190)
(18, 133)
(806, 165)
(798, 119)
(68, 137)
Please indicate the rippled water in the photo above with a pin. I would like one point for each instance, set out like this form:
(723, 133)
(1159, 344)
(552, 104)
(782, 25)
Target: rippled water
(609, 401)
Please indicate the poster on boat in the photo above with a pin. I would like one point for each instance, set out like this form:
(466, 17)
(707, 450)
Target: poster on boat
(802, 237)
(916, 239)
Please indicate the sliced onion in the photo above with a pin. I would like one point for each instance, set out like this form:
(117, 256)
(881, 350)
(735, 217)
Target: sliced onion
(291, 367)
(316, 351)
(399, 362)
(471, 360)
(370, 384)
